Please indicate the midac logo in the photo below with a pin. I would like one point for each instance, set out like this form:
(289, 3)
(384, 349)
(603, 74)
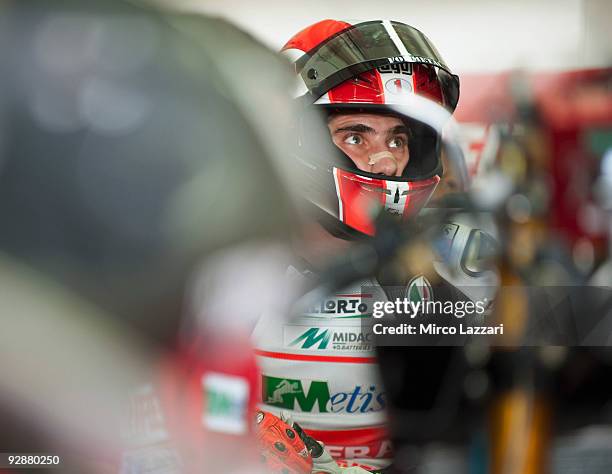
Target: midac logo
(311, 337)
(287, 393)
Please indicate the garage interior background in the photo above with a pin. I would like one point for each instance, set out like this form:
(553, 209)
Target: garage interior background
(472, 35)
(481, 40)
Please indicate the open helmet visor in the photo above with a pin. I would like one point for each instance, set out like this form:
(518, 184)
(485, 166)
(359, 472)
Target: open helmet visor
(367, 46)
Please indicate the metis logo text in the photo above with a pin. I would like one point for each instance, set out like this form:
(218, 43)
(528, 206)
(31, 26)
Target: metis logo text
(315, 396)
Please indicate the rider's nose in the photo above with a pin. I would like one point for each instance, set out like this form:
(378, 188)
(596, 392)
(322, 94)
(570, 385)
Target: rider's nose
(383, 163)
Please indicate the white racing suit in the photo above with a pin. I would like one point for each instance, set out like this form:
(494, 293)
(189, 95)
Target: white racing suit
(321, 368)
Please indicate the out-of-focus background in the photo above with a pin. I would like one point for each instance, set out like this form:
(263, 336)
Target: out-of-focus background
(481, 40)
(474, 36)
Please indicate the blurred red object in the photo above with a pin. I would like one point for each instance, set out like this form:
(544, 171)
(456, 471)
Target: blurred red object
(573, 109)
(197, 411)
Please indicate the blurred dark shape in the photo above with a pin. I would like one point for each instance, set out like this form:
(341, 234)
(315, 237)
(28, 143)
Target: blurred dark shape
(132, 145)
(124, 153)
(540, 398)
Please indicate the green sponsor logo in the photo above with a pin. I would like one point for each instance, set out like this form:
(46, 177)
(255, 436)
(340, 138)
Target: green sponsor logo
(337, 338)
(225, 403)
(219, 403)
(311, 337)
(290, 394)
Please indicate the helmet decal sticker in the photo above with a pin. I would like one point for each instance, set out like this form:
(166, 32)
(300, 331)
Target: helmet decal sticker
(366, 87)
(397, 68)
(398, 86)
(396, 200)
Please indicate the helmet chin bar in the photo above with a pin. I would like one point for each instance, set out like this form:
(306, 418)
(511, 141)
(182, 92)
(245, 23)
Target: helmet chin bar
(361, 199)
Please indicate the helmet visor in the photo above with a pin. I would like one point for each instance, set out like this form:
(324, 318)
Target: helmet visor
(369, 45)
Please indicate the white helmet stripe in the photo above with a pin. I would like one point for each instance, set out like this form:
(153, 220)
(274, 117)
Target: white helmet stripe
(395, 200)
(340, 213)
(396, 39)
(324, 99)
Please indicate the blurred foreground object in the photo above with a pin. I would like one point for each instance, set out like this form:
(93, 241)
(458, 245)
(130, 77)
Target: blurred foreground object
(537, 398)
(556, 236)
(128, 156)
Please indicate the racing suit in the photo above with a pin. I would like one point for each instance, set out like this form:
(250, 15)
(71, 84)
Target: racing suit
(321, 365)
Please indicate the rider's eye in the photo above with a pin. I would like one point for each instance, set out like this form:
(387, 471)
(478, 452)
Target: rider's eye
(353, 140)
(397, 142)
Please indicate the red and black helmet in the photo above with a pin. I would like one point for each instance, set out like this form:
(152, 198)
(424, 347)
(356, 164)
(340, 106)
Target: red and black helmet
(367, 67)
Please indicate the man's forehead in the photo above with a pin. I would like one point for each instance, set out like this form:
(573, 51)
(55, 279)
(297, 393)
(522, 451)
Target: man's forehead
(375, 121)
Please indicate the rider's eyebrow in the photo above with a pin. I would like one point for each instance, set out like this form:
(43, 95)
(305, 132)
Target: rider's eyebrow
(358, 128)
(398, 130)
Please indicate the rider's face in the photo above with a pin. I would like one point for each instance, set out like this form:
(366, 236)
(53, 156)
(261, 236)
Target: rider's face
(375, 143)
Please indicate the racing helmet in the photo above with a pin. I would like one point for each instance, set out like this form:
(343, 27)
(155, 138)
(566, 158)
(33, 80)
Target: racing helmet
(366, 67)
